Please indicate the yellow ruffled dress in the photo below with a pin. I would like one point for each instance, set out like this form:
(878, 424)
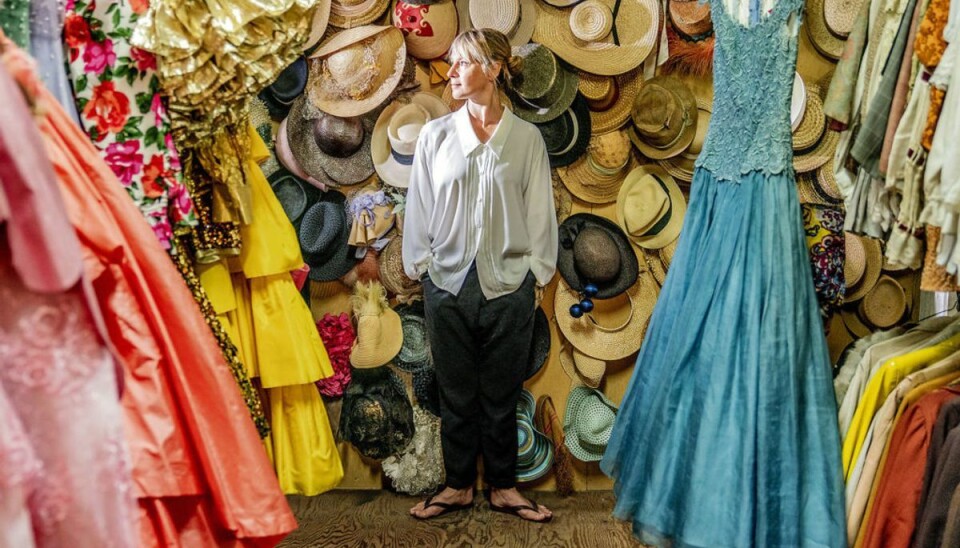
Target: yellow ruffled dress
(264, 314)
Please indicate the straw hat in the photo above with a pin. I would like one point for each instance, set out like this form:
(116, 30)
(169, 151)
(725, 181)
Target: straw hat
(379, 330)
(664, 118)
(838, 337)
(348, 14)
(827, 182)
(853, 322)
(318, 24)
(581, 368)
(562, 198)
(812, 125)
(414, 354)
(666, 253)
(822, 39)
(568, 135)
(798, 101)
(281, 147)
(545, 88)
(371, 212)
(330, 147)
(885, 304)
(862, 265)
(597, 176)
(839, 16)
(323, 233)
(356, 70)
(376, 416)
(597, 334)
(810, 191)
(514, 18)
(650, 207)
(655, 266)
(819, 155)
(534, 448)
(396, 132)
(392, 276)
(428, 29)
(683, 165)
(588, 423)
(690, 18)
(594, 250)
(610, 98)
(636, 28)
(933, 276)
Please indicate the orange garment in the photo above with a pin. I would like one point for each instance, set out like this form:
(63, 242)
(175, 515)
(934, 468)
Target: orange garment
(187, 425)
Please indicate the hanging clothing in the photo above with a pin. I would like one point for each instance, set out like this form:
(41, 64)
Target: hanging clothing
(46, 47)
(735, 349)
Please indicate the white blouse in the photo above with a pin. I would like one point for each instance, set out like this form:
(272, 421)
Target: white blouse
(490, 202)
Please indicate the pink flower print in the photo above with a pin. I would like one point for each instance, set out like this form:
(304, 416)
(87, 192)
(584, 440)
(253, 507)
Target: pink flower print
(180, 199)
(98, 55)
(70, 5)
(162, 230)
(125, 160)
(172, 156)
(144, 59)
(159, 111)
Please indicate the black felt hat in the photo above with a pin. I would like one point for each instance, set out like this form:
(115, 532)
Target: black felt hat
(376, 417)
(567, 135)
(289, 85)
(603, 256)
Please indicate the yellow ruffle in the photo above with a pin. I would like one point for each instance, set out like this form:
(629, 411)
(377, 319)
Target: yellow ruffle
(304, 451)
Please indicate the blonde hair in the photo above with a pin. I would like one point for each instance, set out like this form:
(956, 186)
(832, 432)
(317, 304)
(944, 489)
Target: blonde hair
(487, 47)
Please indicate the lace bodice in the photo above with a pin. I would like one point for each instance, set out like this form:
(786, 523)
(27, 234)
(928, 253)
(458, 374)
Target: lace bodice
(752, 87)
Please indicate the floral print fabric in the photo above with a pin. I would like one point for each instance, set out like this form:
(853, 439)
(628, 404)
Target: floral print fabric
(823, 227)
(118, 97)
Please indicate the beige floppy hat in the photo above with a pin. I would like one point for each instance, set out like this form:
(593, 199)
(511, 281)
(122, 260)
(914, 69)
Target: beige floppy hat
(610, 98)
(428, 29)
(664, 118)
(884, 305)
(682, 166)
(596, 177)
(379, 330)
(347, 14)
(861, 269)
(396, 133)
(633, 33)
(650, 207)
(356, 70)
(581, 368)
(318, 24)
(514, 18)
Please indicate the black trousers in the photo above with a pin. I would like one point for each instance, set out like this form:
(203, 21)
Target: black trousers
(480, 351)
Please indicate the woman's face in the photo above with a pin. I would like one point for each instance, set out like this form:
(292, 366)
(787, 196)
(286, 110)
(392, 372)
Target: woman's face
(468, 80)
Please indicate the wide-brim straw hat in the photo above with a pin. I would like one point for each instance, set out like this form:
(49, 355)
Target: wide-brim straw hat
(690, 18)
(323, 233)
(819, 155)
(637, 26)
(394, 166)
(568, 135)
(683, 165)
(610, 98)
(588, 423)
(356, 70)
(839, 16)
(379, 329)
(284, 154)
(822, 39)
(838, 337)
(534, 448)
(303, 125)
(664, 91)
(615, 327)
(576, 275)
(562, 198)
(650, 207)
(372, 216)
(933, 276)
(868, 263)
(812, 126)
(414, 353)
(392, 275)
(811, 189)
(428, 29)
(798, 101)
(318, 24)
(596, 177)
(885, 304)
(348, 14)
(540, 346)
(582, 369)
(545, 87)
(854, 323)
(517, 19)
(666, 253)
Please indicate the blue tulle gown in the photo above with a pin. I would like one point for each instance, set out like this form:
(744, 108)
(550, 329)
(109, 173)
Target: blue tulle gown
(727, 435)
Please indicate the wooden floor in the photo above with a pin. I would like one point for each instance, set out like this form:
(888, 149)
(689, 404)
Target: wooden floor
(379, 518)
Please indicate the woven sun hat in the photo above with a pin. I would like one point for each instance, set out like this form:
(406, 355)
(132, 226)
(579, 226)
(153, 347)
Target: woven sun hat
(563, 3)
(379, 329)
(289, 85)
(594, 250)
(376, 416)
(664, 118)
(428, 29)
(615, 327)
(610, 98)
(396, 132)
(323, 233)
(822, 39)
(838, 337)
(690, 18)
(281, 147)
(318, 24)
(854, 323)
(839, 16)
(588, 423)
(650, 207)
(567, 136)
(348, 14)
(392, 276)
(514, 18)
(682, 166)
(582, 369)
(371, 216)
(330, 147)
(862, 266)
(578, 38)
(810, 192)
(356, 70)
(534, 448)
(885, 304)
(540, 346)
(414, 354)
(820, 154)
(798, 101)
(813, 124)
(545, 88)
(596, 177)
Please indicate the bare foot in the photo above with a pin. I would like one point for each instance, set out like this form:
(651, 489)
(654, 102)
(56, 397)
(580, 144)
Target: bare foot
(448, 496)
(512, 497)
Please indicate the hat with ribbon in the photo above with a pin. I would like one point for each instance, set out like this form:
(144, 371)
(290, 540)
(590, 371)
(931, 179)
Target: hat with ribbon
(605, 37)
(682, 166)
(376, 416)
(664, 118)
(371, 213)
(690, 18)
(323, 233)
(596, 177)
(582, 369)
(514, 18)
(396, 133)
(349, 14)
(650, 207)
(568, 135)
(356, 70)
(593, 250)
(815, 20)
(289, 85)
(610, 98)
(534, 448)
(545, 88)
(588, 423)
(379, 330)
(428, 29)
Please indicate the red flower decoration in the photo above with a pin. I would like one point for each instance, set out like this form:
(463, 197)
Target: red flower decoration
(76, 32)
(412, 18)
(338, 335)
(144, 59)
(156, 178)
(107, 108)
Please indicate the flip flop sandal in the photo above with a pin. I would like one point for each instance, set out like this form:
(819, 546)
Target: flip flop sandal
(515, 510)
(446, 507)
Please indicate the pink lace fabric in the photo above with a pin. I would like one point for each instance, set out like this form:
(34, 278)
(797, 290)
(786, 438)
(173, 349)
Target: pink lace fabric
(61, 433)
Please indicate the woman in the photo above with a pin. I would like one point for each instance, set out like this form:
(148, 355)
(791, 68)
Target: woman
(480, 224)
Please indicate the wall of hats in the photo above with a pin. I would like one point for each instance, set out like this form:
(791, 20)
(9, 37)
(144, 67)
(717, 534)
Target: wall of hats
(621, 91)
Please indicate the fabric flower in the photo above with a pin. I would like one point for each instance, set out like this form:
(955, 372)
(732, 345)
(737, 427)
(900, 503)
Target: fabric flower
(125, 160)
(144, 59)
(107, 108)
(338, 335)
(98, 55)
(155, 177)
(172, 152)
